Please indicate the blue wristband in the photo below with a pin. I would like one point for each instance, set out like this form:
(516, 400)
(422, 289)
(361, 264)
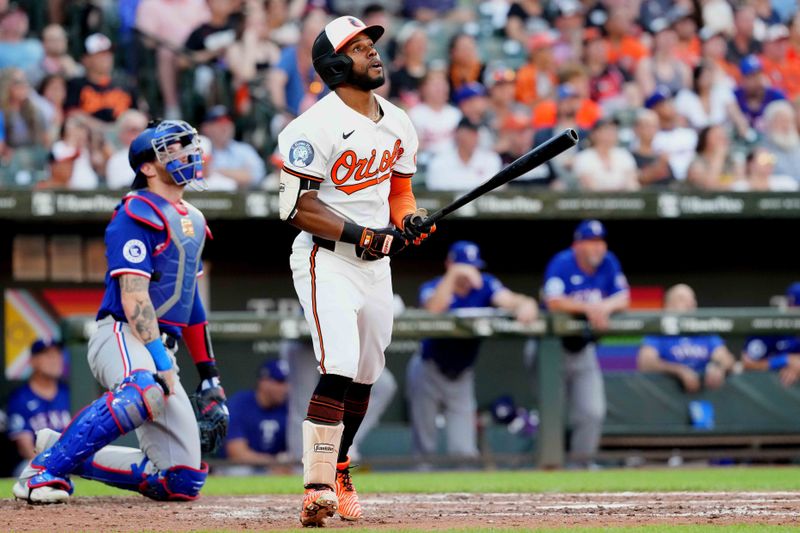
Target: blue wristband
(779, 361)
(159, 353)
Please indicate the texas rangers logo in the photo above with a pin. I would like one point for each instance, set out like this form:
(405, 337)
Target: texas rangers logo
(301, 154)
(134, 251)
(350, 173)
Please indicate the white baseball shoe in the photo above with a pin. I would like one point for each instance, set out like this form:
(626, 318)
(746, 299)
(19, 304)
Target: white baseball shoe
(40, 487)
(39, 495)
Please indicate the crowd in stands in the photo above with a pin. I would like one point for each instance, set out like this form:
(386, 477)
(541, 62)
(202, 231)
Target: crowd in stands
(702, 95)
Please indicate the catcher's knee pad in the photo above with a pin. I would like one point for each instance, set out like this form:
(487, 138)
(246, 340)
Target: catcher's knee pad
(320, 452)
(138, 398)
(179, 483)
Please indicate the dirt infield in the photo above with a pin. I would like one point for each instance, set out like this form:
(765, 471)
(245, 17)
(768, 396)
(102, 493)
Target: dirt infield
(418, 511)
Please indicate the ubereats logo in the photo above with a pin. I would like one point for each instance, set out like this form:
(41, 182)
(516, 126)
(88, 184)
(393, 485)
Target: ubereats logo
(256, 204)
(7, 203)
(47, 203)
(672, 205)
(673, 325)
(522, 205)
(43, 204)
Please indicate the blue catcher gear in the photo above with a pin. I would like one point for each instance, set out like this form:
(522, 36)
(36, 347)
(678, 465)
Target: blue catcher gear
(46, 479)
(179, 482)
(177, 262)
(138, 398)
(173, 143)
(141, 152)
(177, 147)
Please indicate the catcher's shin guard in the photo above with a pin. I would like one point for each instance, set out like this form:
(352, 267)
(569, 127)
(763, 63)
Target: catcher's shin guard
(179, 483)
(138, 398)
(118, 466)
(320, 451)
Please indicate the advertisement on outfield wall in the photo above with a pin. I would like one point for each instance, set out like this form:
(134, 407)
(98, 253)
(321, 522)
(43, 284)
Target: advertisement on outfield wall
(509, 204)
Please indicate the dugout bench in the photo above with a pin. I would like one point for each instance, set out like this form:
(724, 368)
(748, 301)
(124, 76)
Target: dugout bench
(647, 414)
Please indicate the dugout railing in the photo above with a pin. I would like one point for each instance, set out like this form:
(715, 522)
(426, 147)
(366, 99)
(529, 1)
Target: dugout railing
(755, 417)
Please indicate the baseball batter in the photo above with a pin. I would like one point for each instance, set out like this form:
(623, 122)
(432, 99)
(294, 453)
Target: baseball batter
(153, 245)
(346, 183)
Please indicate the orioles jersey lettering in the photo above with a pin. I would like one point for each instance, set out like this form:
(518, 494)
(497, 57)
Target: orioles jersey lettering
(348, 165)
(350, 157)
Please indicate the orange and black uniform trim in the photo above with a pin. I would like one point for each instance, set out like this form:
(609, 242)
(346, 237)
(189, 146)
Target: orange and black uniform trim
(396, 174)
(325, 410)
(301, 175)
(314, 251)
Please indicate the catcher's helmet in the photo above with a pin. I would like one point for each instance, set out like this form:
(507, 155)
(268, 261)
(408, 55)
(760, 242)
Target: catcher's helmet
(140, 152)
(332, 66)
(183, 164)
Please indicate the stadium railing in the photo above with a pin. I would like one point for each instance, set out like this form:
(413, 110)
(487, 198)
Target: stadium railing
(509, 204)
(645, 412)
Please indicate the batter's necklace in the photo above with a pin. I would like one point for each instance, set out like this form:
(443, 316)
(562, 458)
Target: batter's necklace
(376, 116)
(378, 113)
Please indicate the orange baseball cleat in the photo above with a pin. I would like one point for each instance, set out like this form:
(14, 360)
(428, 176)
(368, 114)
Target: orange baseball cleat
(319, 504)
(349, 507)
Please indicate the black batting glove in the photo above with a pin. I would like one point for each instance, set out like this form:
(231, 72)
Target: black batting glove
(383, 242)
(374, 243)
(416, 228)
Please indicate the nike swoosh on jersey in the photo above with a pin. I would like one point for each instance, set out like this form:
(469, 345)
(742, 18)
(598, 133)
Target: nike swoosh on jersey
(346, 135)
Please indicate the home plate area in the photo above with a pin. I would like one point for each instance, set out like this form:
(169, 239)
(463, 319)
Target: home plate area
(412, 511)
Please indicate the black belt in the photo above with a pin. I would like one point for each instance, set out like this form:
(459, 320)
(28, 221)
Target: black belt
(331, 245)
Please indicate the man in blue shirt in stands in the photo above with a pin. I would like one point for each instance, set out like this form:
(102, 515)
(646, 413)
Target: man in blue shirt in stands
(585, 279)
(780, 353)
(441, 375)
(696, 360)
(257, 431)
(42, 402)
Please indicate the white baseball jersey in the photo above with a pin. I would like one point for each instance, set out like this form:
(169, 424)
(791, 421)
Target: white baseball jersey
(350, 156)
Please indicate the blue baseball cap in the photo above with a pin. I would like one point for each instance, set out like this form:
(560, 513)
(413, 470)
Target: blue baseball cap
(469, 90)
(42, 345)
(466, 252)
(274, 369)
(793, 294)
(659, 95)
(750, 65)
(589, 229)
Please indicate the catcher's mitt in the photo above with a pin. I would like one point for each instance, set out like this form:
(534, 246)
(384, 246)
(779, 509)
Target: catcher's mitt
(211, 413)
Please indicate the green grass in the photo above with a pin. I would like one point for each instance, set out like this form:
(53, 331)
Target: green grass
(700, 479)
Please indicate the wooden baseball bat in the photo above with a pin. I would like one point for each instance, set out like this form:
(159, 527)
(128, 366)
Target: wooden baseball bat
(537, 156)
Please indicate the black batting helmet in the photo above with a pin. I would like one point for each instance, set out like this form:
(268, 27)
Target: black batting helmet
(332, 66)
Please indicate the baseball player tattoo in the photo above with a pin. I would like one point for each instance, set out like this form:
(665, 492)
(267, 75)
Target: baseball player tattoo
(154, 244)
(346, 184)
